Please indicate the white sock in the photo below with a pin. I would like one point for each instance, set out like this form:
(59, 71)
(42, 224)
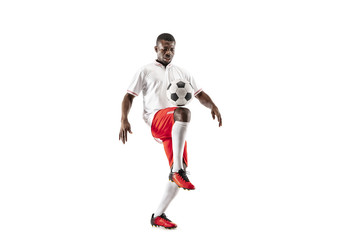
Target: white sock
(178, 142)
(170, 192)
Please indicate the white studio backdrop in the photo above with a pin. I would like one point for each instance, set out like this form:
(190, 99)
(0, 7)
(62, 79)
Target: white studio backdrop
(284, 74)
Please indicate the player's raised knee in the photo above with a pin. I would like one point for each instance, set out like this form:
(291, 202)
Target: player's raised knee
(182, 114)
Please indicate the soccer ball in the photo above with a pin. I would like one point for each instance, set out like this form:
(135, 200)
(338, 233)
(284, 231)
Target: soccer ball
(179, 92)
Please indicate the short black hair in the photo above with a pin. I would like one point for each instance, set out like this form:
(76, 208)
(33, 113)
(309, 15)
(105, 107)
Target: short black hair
(166, 37)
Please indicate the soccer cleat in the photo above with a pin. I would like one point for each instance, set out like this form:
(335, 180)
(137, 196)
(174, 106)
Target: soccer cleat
(162, 221)
(181, 180)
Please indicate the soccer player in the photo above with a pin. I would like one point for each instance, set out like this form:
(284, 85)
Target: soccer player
(168, 124)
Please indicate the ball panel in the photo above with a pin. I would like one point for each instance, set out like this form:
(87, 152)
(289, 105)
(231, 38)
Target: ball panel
(188, 96)
(174, 97)
(181, 92)
(173, 88)
(181, 102)
(180, 84)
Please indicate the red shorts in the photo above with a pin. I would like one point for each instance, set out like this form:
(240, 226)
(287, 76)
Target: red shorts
(161, 128)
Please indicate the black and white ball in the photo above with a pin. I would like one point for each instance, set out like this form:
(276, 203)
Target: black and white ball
(180, 92)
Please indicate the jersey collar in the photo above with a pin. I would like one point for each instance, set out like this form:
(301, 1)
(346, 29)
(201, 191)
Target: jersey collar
(160, 65)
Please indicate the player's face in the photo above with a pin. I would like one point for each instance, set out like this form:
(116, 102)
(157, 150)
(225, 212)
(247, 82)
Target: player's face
(165, 51)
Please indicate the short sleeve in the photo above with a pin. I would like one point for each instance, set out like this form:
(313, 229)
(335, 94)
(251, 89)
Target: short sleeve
(137, 83)
(194, 84)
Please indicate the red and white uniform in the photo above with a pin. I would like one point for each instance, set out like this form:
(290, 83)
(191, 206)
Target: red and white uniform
(152, 80)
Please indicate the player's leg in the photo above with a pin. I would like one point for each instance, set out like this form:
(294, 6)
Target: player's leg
(178, 175)
(182, 118)
(171, 190)
(170, 193)
(182, 114)
(162, 128)
(159, 218)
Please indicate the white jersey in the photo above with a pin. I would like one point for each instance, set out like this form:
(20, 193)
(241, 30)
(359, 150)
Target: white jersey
(152, 80)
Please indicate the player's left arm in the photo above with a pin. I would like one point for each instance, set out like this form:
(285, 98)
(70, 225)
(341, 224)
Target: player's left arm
(207, 102)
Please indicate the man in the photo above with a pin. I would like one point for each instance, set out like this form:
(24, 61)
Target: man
(168, 124)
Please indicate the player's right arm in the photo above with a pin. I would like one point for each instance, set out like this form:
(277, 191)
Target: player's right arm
(125, 109)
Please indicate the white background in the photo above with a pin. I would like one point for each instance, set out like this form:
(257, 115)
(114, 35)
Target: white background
(284, 74)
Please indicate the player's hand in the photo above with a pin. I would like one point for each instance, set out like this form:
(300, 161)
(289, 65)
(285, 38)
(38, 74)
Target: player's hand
(215, 112)
(125, 127)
